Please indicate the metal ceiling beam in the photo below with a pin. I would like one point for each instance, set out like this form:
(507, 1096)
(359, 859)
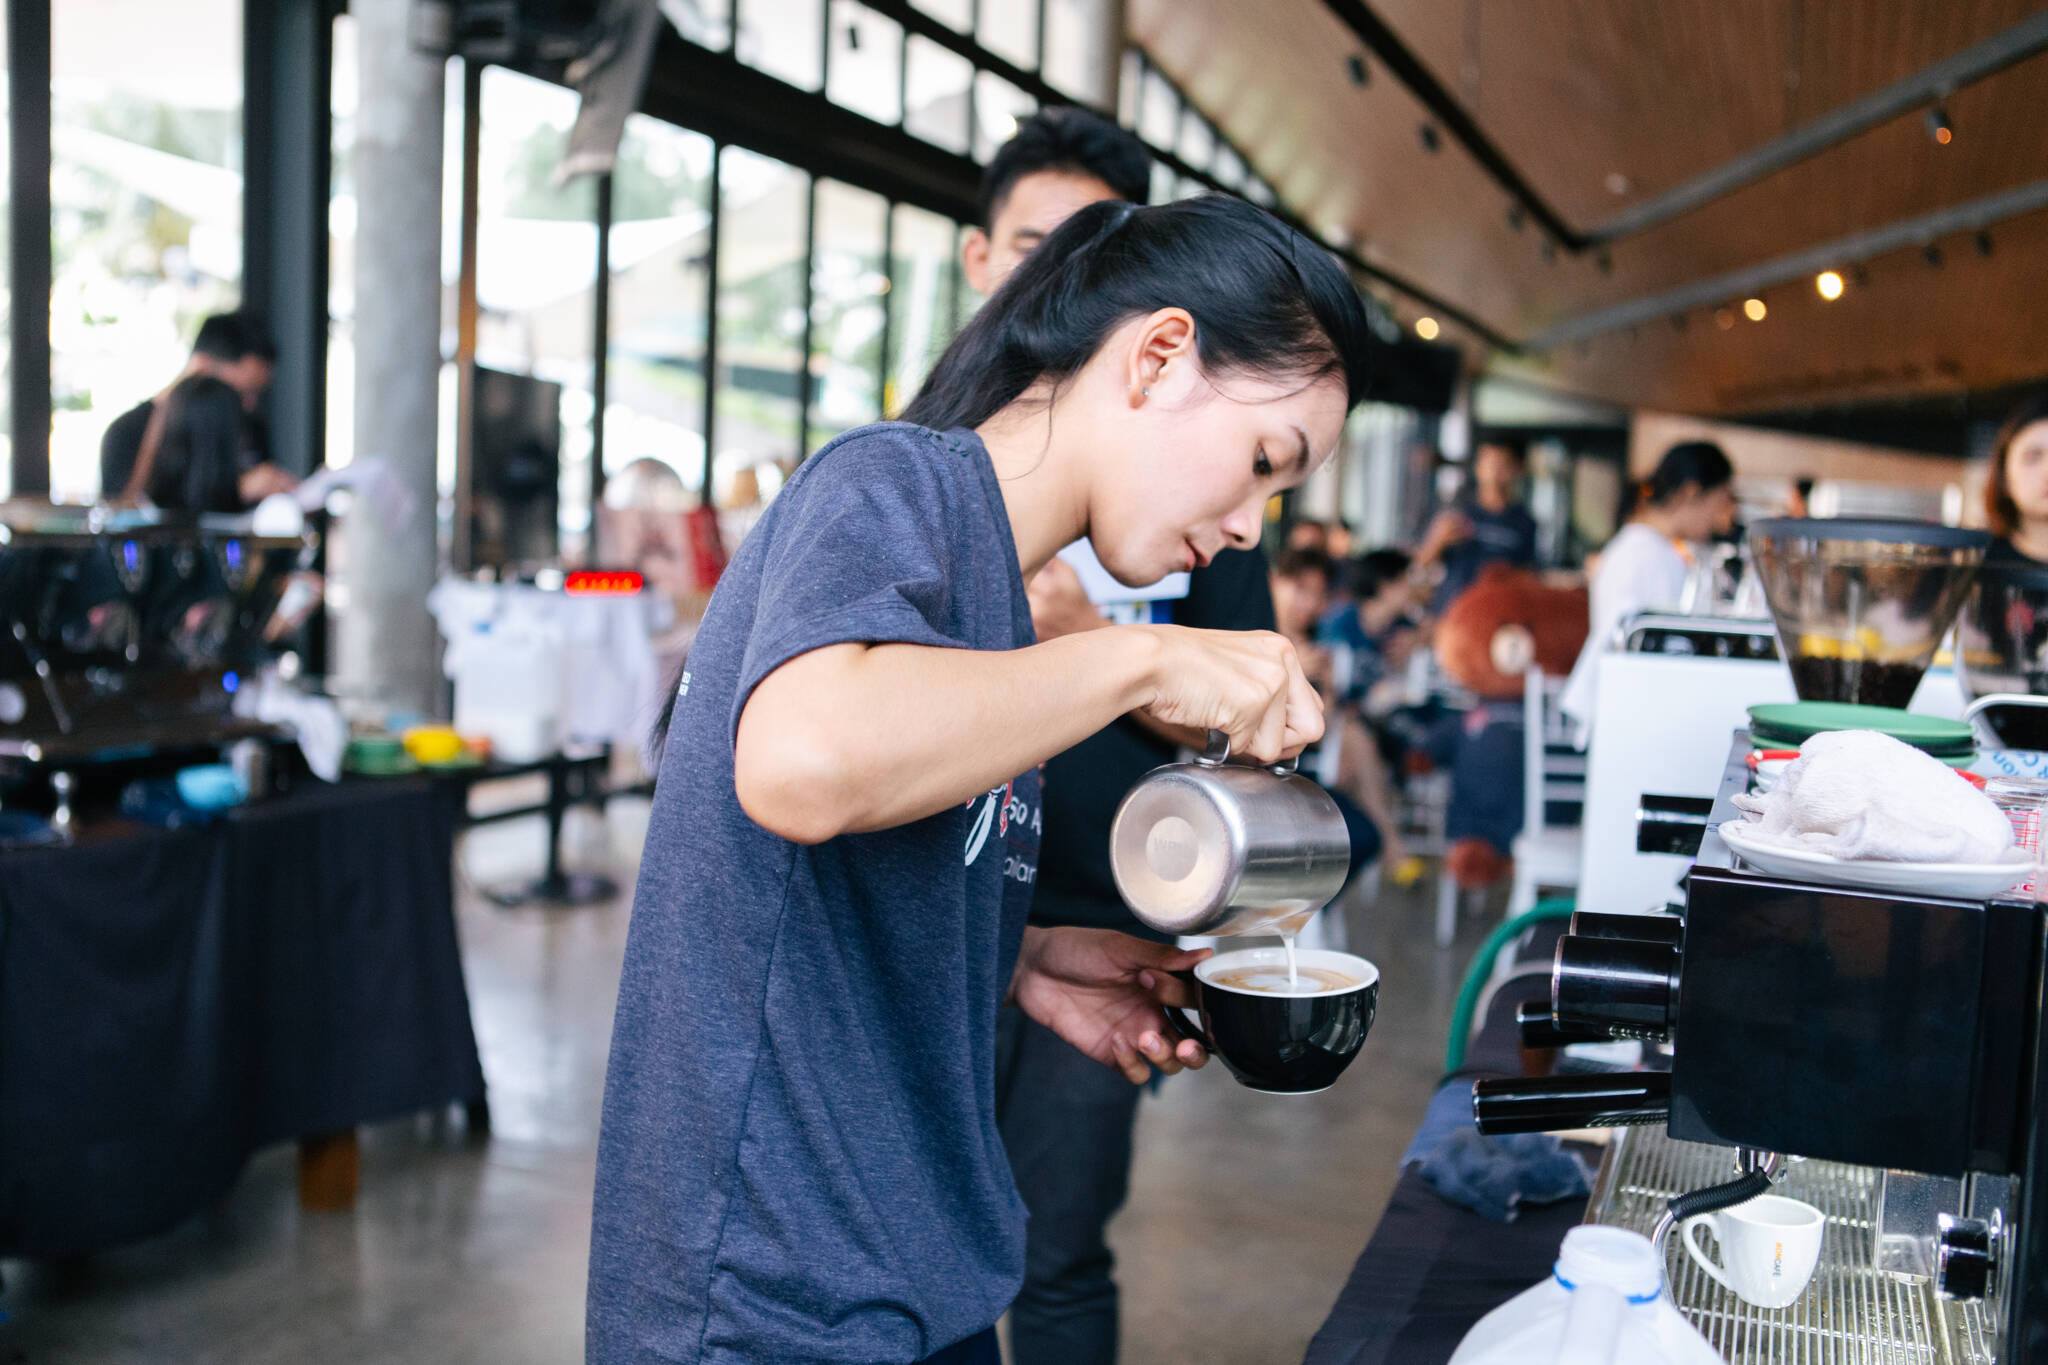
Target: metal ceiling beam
(1927, 86)
(1714, 291)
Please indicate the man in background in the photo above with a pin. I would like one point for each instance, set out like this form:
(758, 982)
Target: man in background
(1490, 527)
(1060, 161)
(1067, 1122)
(233, 348)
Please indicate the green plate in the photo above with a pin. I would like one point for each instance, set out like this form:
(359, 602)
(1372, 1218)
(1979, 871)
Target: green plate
(1798, 721)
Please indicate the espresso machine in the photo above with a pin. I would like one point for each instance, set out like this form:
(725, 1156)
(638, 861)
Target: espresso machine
(1881, 1055)
(124, 635)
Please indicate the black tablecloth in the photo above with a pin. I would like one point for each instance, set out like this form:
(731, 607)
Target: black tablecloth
(171, 1001)
(1433, 1269)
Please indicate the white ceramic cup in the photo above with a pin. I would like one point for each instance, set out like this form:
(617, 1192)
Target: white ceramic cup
(1769, 1248)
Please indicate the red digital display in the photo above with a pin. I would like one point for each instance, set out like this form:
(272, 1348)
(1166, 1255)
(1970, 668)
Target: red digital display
(603, 583)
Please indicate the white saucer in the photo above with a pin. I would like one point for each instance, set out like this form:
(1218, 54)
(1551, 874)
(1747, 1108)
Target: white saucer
(1957, 881)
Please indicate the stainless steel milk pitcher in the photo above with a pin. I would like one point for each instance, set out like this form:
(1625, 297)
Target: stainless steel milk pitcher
(1216, 848)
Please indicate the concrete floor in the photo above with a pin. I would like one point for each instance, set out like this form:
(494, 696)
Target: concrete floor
(1246, 1211)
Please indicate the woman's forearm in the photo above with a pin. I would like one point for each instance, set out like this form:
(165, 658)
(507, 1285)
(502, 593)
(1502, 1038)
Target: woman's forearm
(853, 738)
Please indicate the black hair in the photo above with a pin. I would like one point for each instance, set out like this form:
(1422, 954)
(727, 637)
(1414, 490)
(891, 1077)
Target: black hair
(1515, 447)
(1265, 301)
(198, 462)
(1066, 138)
(1294, 562)
(1701, 464)
(1374, 569)
(231, 336)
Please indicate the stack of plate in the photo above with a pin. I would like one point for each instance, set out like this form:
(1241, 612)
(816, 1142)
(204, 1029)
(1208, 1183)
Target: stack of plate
(1787, 725)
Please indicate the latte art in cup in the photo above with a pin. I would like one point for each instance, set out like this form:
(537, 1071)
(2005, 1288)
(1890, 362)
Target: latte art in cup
(1274, 979)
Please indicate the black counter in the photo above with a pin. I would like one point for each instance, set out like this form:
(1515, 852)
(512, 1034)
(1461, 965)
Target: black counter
(1431, 1269)
(171, 1001)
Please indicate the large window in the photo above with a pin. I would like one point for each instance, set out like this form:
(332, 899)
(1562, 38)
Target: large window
(764, 216)
(849, 309)
(145, 207)
(924, 277)
(536, 259)
(660, 299)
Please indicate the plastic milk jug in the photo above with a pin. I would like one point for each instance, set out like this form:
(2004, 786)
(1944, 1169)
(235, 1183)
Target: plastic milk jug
(1604, 1304)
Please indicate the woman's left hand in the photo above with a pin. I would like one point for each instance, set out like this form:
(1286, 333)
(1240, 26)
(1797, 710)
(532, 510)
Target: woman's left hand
(1102, 992)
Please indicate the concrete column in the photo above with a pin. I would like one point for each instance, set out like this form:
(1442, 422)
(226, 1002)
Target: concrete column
(388, 649)
(1106, 52)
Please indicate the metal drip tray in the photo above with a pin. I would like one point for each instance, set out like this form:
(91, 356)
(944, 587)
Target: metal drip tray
(1851, 1313)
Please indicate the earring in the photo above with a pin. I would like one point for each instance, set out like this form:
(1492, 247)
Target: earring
(1144, 393)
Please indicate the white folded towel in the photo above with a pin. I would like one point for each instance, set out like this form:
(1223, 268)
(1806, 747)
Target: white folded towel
(1864, 795)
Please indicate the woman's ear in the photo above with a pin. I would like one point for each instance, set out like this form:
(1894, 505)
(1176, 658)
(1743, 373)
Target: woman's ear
(1162, 348)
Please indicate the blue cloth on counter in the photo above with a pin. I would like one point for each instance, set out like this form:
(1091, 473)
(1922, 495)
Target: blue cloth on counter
(1492, 1176)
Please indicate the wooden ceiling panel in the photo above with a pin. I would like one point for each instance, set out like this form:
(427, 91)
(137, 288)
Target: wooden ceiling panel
(1660, 92)
(1910, 331)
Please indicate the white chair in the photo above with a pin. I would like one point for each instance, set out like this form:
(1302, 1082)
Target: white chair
(1546, 855)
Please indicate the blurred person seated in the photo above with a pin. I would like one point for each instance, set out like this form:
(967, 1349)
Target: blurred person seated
(235, 350)
(1509, 622)
(1688, 500)
(1373, 633)
(1309, 535)
(2016, 494)
(1347, 761)
(1491, 526)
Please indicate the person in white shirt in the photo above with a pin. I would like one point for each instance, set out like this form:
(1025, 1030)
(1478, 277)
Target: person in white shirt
(1686, 501)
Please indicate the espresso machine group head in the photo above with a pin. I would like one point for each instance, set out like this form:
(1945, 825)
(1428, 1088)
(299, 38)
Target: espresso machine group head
(126, 632)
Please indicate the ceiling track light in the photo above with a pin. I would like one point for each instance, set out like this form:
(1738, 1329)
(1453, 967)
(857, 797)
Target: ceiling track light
(1361, 75)
(1938, 126)
(1983, 240)
(1859, 275)
(1516, 217)
(1931, 254)
(1431, 139)
(1605, 262)
(1549, 251)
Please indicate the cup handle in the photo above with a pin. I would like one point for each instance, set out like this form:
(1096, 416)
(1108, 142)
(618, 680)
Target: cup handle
(1218, 753)
(1692, 1247)
(1184, 1026)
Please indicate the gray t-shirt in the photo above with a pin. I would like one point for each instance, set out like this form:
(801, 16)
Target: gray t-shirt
(799, 1158)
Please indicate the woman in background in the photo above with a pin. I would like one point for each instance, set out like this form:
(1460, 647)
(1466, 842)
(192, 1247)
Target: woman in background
(1688, 500)
(2016, 495)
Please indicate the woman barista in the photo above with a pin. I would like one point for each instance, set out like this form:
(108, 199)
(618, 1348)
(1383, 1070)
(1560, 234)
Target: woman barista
(799, 1157)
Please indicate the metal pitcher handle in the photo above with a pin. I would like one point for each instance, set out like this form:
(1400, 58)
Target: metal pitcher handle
(1218, 754)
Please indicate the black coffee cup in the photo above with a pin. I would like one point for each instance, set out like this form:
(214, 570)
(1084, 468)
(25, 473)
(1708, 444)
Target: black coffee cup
(1285, 1041)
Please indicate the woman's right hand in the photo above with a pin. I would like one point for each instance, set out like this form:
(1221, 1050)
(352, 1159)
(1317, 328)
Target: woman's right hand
(1247, 683)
